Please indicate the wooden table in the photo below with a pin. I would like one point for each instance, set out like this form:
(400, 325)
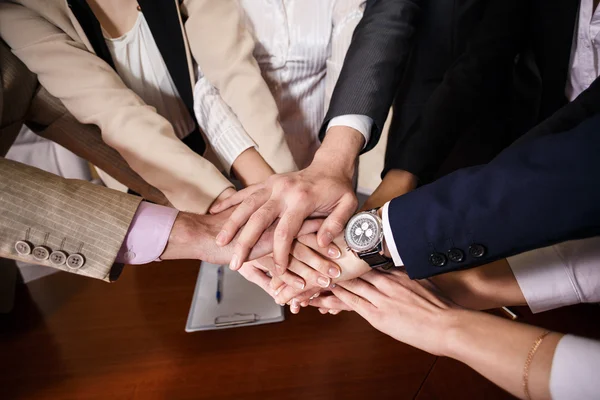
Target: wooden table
(75, 338)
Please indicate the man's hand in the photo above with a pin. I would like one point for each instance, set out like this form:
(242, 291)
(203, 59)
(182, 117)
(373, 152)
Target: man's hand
(193, 237)
(322, 189)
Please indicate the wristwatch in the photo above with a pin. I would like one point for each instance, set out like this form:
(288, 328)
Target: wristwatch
(364, 236)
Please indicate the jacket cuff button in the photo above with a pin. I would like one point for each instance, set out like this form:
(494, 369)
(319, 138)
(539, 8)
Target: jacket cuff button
(437, 259)
(477, 250)
(456, 255)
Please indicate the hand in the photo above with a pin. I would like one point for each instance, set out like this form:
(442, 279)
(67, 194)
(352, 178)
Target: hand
(322, 189)
(351, 267)
(224, 195)
(400, 308)
(192, 237)
(314, 268)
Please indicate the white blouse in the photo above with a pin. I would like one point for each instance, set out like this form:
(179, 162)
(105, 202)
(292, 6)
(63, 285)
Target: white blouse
(300, 47)
(141, 67)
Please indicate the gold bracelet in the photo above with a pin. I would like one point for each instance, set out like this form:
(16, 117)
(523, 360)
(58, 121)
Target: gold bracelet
(534, 348)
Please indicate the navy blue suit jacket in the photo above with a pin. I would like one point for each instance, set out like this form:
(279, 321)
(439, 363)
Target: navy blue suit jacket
(535, 193)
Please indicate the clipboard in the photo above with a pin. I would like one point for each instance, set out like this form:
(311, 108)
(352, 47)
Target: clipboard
(242, 302)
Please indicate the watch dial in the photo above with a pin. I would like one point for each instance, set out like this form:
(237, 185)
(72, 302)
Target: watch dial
(362, 233)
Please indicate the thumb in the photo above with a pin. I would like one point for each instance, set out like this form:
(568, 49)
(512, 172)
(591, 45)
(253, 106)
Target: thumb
(336, 222)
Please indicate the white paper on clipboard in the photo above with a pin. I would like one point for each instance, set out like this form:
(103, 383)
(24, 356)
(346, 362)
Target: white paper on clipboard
(242, 302)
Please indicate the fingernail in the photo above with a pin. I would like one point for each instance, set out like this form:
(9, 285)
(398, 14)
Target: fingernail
(281, 304)
(279, 290)
(334, 253)
(280, 269)
(221, 238)
(314, 296)
(334, 272)
(323, 282)
(333, 312)
(295, 307)
(298, 284)
(233, 265)
(329, 236)
(333, 286)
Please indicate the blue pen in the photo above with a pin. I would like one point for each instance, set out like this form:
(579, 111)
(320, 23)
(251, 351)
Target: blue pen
(220, 271)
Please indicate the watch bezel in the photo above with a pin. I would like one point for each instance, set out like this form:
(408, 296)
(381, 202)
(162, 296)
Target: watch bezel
(378, 238)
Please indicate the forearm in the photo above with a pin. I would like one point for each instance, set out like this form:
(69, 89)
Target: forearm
(498, 348)
(394, 184)
(251, 168)
(489, 286)
(223, 48)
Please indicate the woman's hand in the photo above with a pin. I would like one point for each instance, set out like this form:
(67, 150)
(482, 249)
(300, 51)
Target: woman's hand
(490, 286)
(350, 265)
(495, 347)
(400, 308)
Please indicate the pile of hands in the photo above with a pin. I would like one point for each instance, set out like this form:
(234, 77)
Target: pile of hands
(306, 212)
(301, 217)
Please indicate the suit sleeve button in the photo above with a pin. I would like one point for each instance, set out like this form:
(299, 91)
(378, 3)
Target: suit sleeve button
(75, 261)
(456, 255)
(23, 248)
(41, 253)
(477, 250)
(437, 259)
(58, 257)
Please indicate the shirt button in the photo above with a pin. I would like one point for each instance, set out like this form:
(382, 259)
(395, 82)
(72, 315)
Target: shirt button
(456, 255)
(58, 257)
(129, 256)
(75, 261)
(437, 259)
(41, 253)
(23, 248)
(477, 250)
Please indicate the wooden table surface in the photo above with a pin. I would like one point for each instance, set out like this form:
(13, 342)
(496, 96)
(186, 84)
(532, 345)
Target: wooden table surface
(75, 338)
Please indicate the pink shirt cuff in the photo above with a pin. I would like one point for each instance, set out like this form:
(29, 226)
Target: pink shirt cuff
(148, 234)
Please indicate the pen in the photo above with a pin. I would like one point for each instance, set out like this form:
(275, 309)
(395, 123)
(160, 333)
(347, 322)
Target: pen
(219, 283)
(510, 314)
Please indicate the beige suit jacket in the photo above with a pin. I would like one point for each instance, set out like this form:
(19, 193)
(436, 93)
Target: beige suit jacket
(47, 37)
(44, 209)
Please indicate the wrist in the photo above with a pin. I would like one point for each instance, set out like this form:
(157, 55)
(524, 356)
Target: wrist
(454, 333)
(250, 168)
(193, 238)
(340, 150)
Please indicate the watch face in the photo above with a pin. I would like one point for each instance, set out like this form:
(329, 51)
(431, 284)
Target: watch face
(363, 232)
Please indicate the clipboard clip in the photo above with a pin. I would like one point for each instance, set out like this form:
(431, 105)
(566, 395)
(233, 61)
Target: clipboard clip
(236, 319)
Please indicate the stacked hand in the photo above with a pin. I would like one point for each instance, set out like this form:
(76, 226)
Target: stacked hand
(324, 189)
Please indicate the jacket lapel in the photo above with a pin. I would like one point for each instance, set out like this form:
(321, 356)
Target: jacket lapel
(91, 29)
(165, 24)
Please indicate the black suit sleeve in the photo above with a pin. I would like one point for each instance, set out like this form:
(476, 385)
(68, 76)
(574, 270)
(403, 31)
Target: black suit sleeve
(585, 105)
(372, 68)
(534, 194)
(470, 86)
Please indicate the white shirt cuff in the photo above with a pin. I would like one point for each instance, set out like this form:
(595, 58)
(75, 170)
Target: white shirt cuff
(575, 366)
(389, 237)
(361, 123)
(230, 145)
(544, 279)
